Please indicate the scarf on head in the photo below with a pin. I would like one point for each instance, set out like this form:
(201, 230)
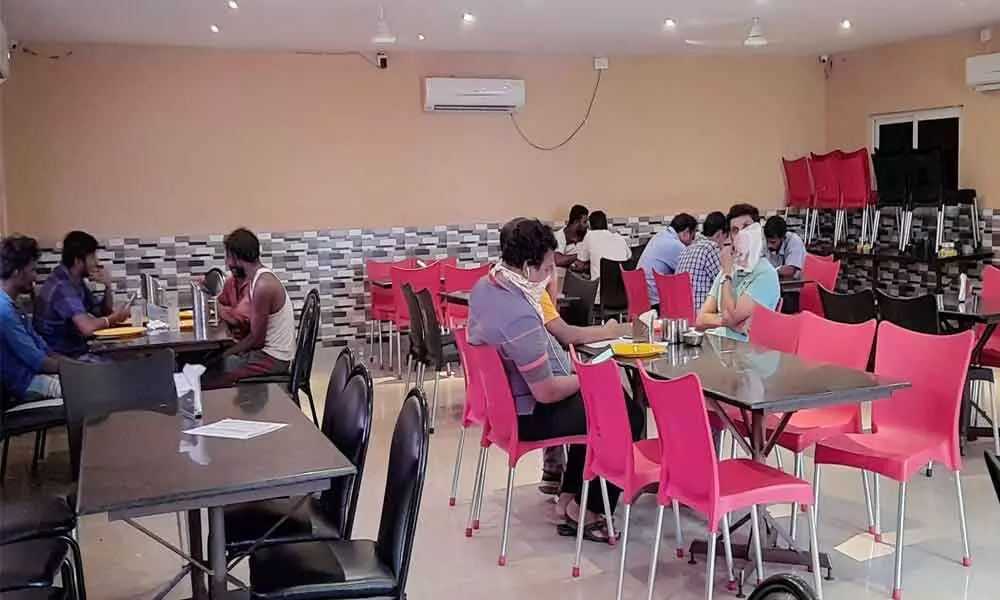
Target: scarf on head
(748, 248)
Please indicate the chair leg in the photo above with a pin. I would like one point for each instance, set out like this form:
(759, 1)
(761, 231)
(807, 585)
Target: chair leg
(80, 588)
(482, 490)
(650, 584)
(814, 553)
(777, 459)
(502, 561)
(877, 507)
(995, 418)
(794, 517)
(727, 545)
(476, 486)
(868, 502)
(607, 511)
(390, 335)
(371, 339)
(621, 560)
(897, 576)
(584, 496)
(758, 556)
(939, 230)
(713, 539)
(967, 557)
(37, 455)
(312, 406)
(3, 460)
(458, 466)
(399, 353)
(678, 534)
(406, 379)
(816, 488)
(434, 398)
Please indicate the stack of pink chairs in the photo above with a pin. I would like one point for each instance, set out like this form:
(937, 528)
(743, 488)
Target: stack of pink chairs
(676, 294)
(838, 181)
(817, 271)
(383, 304)
(456, 279)
(798, 188)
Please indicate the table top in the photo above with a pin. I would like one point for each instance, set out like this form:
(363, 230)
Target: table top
(794, 285)
(184, 340)
(975, 308)
(140, 463)
(754, 378)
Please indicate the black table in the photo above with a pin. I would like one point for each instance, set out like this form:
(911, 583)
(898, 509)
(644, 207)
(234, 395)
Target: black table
(185, 340)
(791, 289)
(761, 382)
(137, 464)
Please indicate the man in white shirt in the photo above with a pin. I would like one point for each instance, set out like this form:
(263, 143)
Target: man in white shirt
(569, 237)
(600, 243)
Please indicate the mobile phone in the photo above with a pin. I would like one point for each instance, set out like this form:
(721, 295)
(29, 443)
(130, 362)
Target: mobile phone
(131, 298)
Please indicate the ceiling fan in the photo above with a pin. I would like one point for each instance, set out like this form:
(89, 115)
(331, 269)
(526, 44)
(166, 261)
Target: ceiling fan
(382, 37)
(755, 39)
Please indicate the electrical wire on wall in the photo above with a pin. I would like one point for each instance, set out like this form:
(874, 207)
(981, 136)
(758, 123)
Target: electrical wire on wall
(569, 138)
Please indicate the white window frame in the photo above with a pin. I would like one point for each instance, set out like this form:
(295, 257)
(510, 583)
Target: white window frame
(915, 117)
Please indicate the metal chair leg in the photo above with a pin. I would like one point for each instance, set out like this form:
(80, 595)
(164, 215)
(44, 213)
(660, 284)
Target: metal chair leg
(584, 498)
(656, 552)
(814, 553)
(458, 466)
(607, 511)
(502, 561)
(477, 485)
(897, 576)
(678, 534)
(967, 557)
(406, 379)
(995, 418)
(36, 455)
(713, 539)
(391, 336)
(399, 353)
(621, 560)
(794, 517)
(816, 488)
(371, 339)
(868, 501)
(434, 399)
(878, 507)
(758, 556)
(482, 490)
(939, 230)
(727, 546)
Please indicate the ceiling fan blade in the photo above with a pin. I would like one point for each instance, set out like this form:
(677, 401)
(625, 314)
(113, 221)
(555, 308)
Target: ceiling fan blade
(715, 43)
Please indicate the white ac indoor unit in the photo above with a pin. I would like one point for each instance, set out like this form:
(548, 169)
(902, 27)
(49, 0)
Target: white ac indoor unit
(455, 94)
(982, 73)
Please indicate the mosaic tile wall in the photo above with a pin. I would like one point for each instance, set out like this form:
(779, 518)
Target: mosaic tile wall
(333, 260)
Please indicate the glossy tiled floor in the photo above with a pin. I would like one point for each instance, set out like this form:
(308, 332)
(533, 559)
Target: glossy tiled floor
(123, 564)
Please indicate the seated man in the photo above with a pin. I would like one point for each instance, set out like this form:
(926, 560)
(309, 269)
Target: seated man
(701, 259)
(270, 345)
(744, 280)
(600, 243)
(785, 249)
(234, 305)
(505, 311)
(66, 310)
(570, 236)
(664, 250)
(29, 370)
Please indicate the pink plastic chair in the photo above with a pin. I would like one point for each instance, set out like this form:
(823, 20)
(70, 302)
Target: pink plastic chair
(855, 181)
(611, 453)
(692, 475)
(636, 292)
(502, 431)
(456, 279)
(383, 304)
(915, 425)
(774, 330)
(474, 414)
(676, 294)
(990, 293)
(818, 272)
(798, 184)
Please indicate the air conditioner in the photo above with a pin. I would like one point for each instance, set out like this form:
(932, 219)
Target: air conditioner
(982, 73)
(4, 54)
(454, 94)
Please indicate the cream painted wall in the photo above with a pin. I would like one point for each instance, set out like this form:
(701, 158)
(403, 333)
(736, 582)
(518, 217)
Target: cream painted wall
(156, 141)
(927, 73)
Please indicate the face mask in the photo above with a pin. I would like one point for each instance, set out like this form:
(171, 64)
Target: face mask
(532, 290)
(748, 245)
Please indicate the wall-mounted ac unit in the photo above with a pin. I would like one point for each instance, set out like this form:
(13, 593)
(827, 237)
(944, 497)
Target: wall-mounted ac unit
(454, 94)
(982, 73)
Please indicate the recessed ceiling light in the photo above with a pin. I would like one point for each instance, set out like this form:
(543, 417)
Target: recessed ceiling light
(421, 37)
(233, 4)
(468, 18)
(670, 24)
(214, 29)
(845, 24)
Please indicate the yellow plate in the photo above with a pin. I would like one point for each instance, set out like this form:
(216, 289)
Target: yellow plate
(186, 314)
(632, 350)
(118, 332)
(187, 324)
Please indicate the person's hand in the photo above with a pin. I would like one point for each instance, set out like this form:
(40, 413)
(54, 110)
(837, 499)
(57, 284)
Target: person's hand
(102, 276)
(614, 329)
(726, 258)
(122, 314)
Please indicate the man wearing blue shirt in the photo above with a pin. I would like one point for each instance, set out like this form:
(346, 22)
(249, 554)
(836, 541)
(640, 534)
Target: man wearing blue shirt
(664, 250)
(28, 368)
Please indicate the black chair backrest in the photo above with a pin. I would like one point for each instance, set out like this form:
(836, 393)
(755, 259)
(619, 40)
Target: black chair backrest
(432, 328)
(418, 344)
(892, 177)
(305, 343)
(993, 466)
(613, 297)
(919, 313)
(95, 390)
(350, 428)
(926, 171)
(342, 369)
(404, 486)
(636, 251)
(853, 308)
(783, 586)
(580, 310)
(214, 281)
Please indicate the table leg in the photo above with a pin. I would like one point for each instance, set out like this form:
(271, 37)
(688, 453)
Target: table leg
(198, 591)
(217, 552)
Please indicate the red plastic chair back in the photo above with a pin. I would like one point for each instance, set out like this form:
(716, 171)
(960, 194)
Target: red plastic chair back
(822, 271)
(676, 296)
(501, 412)
(936, 367)
(826, 186)
(475, 391)
(854, 175)
(774, 330)
(609, 435)
(427, 278)
(689, 469)
(383, 301)
(462, 280)
(842, 344)
(798, 185)
(991, 283)
(636, 292)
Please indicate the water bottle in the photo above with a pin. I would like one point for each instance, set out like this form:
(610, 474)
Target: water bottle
(173, 313)
(199, 306)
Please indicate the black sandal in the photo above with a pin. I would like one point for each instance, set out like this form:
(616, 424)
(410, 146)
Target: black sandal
(595, 531)
(551, 483)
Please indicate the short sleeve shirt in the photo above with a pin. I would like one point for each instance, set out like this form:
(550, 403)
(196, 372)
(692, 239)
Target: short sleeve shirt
(22, 351)
(792, 252)
(661, 255)
(761, 284)
(500, 316)
(701, 260)
(549, 311)
(59, 300)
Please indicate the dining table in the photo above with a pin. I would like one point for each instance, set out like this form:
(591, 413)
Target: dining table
(765, 387)
(185, 340)
(142, 463)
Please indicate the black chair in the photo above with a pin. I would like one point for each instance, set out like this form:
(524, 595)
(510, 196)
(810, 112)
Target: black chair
(358, 568)
(919, 313)
(214, 281)
(852, 308)
(95, 390)
(783, 587)
(347, 419)
(614, 301)
(637, 250)
(892, 176)
(441, 349)
(299, 372)
(36, 543)
(927, 188)
(993, 466)
(416, 355)
(30, 417)
(580, 310)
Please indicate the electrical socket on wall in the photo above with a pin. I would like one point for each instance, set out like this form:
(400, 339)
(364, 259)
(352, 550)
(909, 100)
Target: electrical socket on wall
(985, 35)
(600, 63)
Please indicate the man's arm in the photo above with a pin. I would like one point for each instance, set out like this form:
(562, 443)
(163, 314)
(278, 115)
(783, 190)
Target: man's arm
(261, 306)
(554, 388)
(788, 271)
(795, 258)
(23, 345)
(709, 317)
(569, 335)
(526, 346)
(564, 260)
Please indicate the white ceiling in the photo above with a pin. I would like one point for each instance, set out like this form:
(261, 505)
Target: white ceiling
(591, 26)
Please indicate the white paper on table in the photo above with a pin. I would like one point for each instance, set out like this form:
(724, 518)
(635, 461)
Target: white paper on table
(181, 383)
(236, 429)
